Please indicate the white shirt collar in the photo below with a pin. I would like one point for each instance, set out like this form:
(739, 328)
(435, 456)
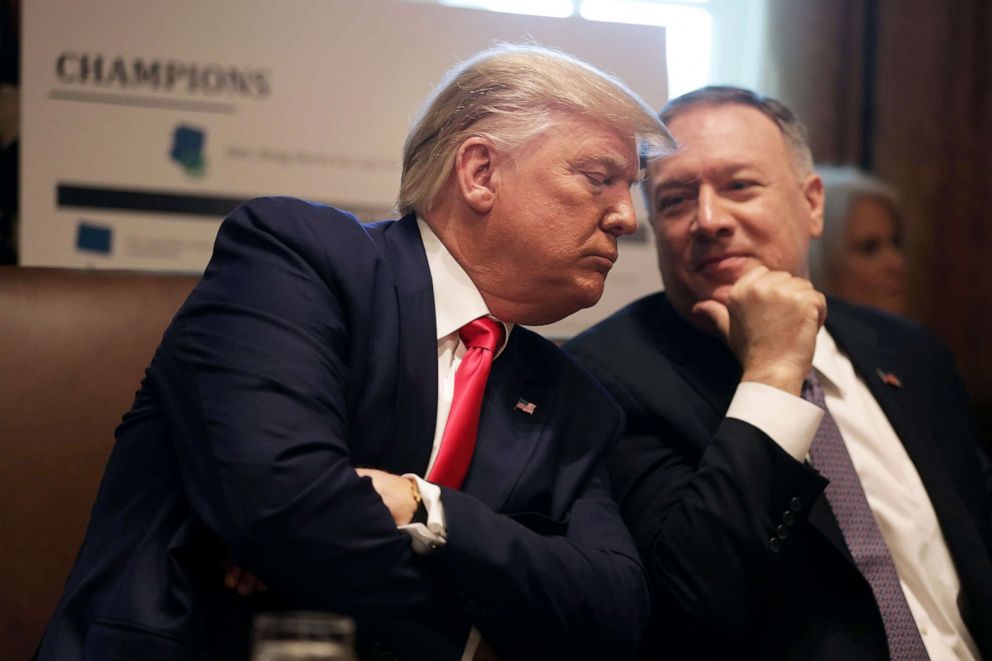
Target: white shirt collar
(826, 359)
(457, 300)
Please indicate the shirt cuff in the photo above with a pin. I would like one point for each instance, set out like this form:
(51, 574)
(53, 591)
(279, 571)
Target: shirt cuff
(788, 420)
(429, 537)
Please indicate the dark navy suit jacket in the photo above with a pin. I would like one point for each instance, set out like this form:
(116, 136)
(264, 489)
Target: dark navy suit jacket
(308, 349)
(705, 495)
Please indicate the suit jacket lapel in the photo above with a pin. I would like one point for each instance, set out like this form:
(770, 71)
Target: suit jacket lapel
(860, 341)
(507, 434)
(415, 414)
(904, 412)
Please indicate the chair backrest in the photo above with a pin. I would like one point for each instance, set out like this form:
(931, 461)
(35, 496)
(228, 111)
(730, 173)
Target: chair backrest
(73, 348)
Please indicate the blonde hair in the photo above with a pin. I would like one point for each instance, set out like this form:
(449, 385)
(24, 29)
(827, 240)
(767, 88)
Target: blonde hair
(509, 94)
(843, 186)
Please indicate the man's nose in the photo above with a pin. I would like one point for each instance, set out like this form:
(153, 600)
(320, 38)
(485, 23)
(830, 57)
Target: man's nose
(711, 218)
(621, 219)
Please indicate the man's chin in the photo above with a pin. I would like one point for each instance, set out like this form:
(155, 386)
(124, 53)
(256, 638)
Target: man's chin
(685, 302)
(720, 294)
(549, 314)
(588, 292)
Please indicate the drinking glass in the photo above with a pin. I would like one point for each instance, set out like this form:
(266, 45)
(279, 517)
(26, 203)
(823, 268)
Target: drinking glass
(303, 636)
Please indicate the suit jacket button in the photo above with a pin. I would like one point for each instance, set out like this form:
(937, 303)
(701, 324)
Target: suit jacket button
(795, 504)
(775, 545)
(782, 532)
(788, 518)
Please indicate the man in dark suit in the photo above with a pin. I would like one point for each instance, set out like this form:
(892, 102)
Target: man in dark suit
(722, 472)
(293, 419)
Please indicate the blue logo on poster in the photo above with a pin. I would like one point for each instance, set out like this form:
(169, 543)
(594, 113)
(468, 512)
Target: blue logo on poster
(94, 238)
(187, 150)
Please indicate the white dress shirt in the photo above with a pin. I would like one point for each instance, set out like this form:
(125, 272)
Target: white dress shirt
(457, 301)
(892, 486)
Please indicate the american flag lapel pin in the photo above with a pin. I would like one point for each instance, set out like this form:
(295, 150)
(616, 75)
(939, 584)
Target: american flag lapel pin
(888, 378)
(525, 406)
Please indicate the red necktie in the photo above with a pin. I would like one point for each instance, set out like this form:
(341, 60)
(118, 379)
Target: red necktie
(481, 337)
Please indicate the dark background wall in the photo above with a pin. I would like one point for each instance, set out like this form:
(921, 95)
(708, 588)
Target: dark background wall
(904, 89)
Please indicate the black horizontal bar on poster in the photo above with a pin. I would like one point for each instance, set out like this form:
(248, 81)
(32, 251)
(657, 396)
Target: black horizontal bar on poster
(149, 201)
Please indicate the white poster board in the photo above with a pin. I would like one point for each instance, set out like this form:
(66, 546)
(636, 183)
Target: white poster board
(144, 123)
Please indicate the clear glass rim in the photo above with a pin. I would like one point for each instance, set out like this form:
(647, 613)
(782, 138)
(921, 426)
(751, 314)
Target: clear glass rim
(309, 623)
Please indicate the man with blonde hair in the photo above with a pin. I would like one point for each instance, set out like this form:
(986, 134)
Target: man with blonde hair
(326, 410)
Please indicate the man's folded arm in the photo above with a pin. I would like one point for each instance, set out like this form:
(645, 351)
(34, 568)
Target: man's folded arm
(578, 591)
(254, 383)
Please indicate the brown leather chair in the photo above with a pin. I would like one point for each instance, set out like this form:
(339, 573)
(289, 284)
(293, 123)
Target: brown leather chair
(73, 348)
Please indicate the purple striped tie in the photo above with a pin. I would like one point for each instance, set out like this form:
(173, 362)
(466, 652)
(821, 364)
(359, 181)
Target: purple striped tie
(864, 540)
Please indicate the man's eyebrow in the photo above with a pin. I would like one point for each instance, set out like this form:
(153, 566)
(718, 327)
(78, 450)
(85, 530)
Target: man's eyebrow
(612, 162)
(732, 169)
(723, 172)
(669, 184)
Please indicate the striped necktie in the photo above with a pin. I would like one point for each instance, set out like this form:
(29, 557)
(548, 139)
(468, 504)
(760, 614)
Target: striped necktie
(857, 522)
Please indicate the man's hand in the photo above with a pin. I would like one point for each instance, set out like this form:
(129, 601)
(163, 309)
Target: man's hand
(770, 322)
(243, 581)
(399, 494)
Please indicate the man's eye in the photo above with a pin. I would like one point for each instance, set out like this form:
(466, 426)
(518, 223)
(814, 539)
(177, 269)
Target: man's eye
(671, 203)
(740, 184)
(597, 178)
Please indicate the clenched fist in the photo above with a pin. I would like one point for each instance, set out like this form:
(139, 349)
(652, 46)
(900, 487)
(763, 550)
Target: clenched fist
(769, 321)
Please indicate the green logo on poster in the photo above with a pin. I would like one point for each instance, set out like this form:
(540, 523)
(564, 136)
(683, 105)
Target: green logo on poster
(187, 150)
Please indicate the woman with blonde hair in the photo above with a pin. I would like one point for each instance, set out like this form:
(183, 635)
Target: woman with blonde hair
(859, 257)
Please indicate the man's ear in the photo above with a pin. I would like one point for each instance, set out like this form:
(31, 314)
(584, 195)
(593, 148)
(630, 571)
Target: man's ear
(814, 194)
(474, 164)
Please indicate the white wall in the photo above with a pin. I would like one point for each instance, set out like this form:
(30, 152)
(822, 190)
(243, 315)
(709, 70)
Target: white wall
(311, 98)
